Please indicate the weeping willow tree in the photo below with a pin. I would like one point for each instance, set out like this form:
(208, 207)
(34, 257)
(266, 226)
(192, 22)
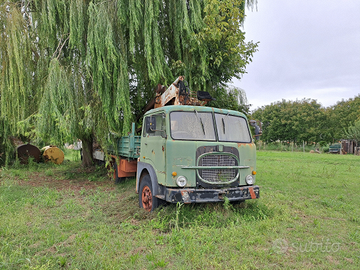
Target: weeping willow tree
(232, 98)
(79, 68)
(18, 95)
(353, 132)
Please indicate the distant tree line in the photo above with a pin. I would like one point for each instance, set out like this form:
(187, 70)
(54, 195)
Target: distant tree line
(307, 121)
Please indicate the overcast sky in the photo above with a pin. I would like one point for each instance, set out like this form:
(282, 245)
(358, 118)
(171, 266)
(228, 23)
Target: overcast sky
(308, 49)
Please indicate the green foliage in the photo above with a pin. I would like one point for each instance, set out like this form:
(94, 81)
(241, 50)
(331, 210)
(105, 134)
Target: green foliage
(2, 146)
(290, 147)
(353, 132)
(294, 121)
(307, 121)
(342, 115)
(69, 66)
(230, 98)
(225, 42)
(18, 97)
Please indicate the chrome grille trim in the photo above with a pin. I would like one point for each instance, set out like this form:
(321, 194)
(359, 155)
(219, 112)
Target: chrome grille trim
(217, 175)
(217, 160)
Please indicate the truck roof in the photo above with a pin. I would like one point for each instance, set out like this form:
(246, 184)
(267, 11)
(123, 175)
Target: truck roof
(186, 108)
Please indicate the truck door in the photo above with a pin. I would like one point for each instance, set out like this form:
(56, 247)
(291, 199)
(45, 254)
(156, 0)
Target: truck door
(154, 143)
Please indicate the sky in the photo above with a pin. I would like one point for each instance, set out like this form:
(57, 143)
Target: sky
(308, 49)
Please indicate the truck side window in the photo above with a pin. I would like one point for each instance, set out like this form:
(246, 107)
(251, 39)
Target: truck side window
(155, 125)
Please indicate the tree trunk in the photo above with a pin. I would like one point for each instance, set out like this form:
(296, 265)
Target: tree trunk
(87, 151)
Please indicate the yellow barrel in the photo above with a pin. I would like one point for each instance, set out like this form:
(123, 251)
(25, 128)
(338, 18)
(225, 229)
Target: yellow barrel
(53, 154)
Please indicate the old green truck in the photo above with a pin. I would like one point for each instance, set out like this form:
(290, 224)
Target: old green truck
(188, 154)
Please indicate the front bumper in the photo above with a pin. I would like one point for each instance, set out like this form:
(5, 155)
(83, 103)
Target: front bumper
(192, 195)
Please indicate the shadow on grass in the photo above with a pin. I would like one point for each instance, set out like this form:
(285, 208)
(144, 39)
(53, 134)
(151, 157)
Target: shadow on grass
(124, 208)
(215, 215)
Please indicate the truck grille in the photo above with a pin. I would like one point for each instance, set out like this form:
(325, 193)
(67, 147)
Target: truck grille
(218, 175)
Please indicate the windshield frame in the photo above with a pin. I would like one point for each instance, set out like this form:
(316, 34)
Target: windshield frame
(219, 127)
(196, 115)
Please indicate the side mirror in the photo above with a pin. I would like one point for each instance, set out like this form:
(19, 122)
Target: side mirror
(150, 124)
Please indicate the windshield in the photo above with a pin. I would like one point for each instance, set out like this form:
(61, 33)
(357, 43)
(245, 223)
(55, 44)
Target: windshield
(232, 128)
(192, 125)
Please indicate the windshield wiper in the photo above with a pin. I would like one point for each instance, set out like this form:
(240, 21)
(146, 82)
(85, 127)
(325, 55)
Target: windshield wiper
(223, 122)
(201, 122)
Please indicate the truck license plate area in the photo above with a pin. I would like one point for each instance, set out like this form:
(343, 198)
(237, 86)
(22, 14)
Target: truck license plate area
(175, 195)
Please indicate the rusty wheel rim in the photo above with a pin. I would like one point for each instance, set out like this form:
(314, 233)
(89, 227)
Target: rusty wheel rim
(146, 197)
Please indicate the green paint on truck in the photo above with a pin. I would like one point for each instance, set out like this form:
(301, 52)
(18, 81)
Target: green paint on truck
(195, 154)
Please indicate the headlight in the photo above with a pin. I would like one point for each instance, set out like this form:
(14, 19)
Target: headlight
(250, 180)
(181, 181)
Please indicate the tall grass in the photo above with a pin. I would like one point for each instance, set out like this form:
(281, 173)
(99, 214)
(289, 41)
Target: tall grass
(291, 147)
(307, 218)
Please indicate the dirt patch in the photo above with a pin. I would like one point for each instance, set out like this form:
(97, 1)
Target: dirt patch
(139, 250)
(76, 183)
(53, 249)
(65, 184)
(332, 260)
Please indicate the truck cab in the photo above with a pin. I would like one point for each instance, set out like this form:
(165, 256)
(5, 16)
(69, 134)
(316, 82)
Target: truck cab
(195, 154)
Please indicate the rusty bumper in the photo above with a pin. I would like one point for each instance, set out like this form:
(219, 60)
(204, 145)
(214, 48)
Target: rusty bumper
(192, 195)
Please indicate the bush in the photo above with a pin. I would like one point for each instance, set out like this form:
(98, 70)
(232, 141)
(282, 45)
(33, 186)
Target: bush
(285, 146)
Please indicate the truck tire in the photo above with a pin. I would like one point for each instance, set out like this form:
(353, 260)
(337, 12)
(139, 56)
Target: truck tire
(117, 179)
(147, 200)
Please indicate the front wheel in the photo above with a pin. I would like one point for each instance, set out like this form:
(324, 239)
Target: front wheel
(147, 200)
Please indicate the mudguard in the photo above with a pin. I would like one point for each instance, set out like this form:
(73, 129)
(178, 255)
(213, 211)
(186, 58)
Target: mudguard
(142, 167)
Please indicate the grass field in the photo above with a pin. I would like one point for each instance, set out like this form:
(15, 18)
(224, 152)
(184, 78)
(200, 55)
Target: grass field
(61, 217)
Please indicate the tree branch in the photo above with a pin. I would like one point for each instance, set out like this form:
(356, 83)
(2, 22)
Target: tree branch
(58, 49)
